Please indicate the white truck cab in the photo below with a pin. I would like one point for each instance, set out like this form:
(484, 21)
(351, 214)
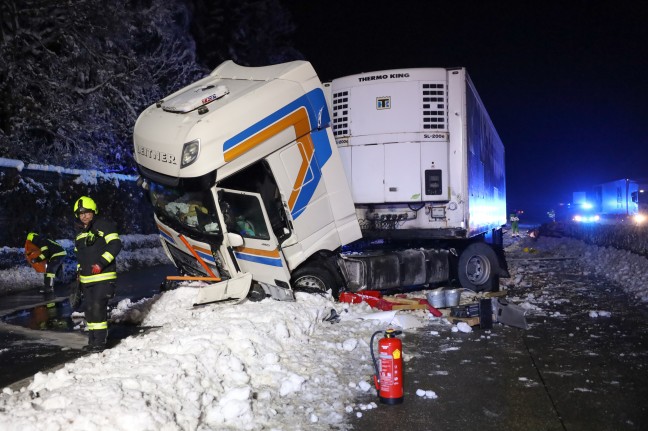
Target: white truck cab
(245, 178)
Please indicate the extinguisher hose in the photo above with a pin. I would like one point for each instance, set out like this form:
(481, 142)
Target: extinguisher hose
(373, 357)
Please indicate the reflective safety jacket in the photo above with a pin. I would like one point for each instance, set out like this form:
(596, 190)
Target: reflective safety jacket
(99, 244)
(48, 248)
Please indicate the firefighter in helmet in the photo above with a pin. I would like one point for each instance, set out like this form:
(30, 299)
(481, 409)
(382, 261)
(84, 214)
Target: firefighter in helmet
(96, 245)
(53, 254)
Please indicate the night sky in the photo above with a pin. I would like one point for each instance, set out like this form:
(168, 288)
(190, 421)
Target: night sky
(565, 83)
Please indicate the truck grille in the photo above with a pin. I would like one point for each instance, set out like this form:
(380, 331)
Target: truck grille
(434, 106)
(188, 263)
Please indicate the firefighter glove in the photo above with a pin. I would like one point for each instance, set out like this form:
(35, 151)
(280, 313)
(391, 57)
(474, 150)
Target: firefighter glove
(96, 269)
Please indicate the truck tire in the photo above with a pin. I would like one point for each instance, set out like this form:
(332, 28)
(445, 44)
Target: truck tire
(478, 268)
(314, 279)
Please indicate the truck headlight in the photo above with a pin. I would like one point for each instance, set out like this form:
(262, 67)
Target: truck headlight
(190, 152)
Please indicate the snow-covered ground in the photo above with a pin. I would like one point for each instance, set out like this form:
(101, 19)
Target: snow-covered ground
(264, 365)
(628, 270)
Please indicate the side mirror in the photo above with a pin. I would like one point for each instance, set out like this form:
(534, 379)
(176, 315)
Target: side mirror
(234, 239)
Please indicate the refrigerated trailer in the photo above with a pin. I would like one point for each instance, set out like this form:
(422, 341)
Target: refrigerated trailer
(425, 166)
(258, 187)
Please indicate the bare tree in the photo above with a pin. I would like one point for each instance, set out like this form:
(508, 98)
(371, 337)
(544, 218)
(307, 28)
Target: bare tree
(76, 74)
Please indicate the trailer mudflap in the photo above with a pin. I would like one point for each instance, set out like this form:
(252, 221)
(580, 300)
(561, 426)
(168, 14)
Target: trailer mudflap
(236, 287)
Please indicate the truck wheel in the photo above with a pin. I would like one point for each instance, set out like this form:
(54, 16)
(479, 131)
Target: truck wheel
(478, 268)
(314, 279)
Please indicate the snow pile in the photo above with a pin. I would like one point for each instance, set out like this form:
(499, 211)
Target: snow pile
(256, 365)
(619, 266)
(622, 235)
(18, 278)
(128, 311)
(427, 394)
(599, 313)
(462, 327)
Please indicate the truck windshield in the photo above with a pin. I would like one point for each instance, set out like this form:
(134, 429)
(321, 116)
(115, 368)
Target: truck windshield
(189, 211)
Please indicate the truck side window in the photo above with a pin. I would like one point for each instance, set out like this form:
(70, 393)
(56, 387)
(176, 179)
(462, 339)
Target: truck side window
(243, 215)
(257, 178)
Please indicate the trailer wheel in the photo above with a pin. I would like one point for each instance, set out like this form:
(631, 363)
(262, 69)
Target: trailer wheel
(314, 279)
(478, 268)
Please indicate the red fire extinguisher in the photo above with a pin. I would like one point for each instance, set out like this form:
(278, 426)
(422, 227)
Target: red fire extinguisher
(389, 380)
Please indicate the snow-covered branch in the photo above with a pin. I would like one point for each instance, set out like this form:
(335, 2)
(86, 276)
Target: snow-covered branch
(74, 75)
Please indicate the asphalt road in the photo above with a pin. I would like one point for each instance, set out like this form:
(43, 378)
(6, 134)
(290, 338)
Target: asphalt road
(567, 371)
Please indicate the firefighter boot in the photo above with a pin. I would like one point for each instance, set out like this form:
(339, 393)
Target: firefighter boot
(88, 346)
(97, 340)
(48, 286)
(92, 341)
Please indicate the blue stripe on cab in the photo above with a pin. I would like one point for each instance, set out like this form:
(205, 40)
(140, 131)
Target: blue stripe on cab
(204, 256)
(259, 259)
(167, 237)
(314, 102)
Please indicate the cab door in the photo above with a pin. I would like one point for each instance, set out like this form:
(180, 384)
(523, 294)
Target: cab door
(260, 254)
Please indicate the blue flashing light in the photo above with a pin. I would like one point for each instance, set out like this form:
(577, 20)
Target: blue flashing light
(587, 206)
(587, 218)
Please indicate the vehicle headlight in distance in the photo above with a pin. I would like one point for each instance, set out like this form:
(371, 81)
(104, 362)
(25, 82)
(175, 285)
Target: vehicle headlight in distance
(190, 152)
(639, 218)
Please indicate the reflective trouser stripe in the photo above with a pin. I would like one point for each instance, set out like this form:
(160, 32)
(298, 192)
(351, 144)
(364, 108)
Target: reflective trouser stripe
(97, 326)
(49, 274)
(84, 279)
(61, 253)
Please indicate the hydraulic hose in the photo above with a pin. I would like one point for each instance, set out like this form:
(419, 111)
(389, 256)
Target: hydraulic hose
(373, 358)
